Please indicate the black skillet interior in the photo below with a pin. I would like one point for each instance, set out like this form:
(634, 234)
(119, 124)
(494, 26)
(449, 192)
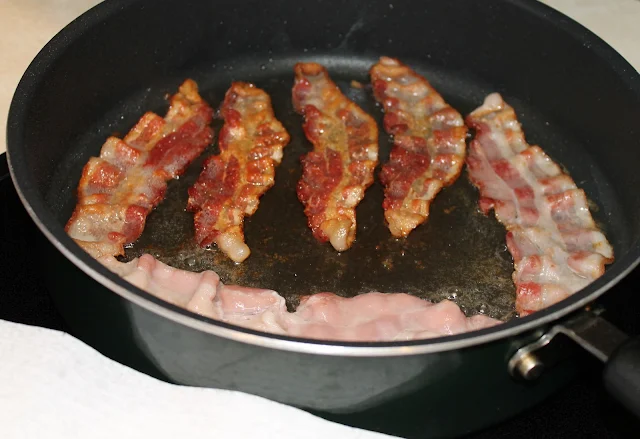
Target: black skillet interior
(287, 258)
(466, 50)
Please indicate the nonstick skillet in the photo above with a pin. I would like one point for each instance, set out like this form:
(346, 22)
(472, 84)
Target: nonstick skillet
(574, 95)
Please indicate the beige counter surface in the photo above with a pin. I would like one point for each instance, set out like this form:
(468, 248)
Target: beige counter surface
(27, 25)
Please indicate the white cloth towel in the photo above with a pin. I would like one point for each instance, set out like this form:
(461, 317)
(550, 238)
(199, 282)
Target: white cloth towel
(54, 386)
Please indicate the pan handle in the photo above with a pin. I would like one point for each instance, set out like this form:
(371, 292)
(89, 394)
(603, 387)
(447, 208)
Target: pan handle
(619, 353)
(622, 375)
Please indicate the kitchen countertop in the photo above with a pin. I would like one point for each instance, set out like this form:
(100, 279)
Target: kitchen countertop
(27, 25)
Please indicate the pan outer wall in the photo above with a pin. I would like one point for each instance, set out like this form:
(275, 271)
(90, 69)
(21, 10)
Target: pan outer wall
(430, 395)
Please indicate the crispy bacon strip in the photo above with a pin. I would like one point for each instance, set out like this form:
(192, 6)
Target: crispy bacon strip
(118, 189)
(367, 317)
(338, 171)
(556, 247)
(230, 185)
(429, 144)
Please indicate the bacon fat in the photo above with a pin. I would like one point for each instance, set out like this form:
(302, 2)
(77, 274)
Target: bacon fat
(119, 188)
(429, 144)
(340, 168)
(556, 246)
(231, 183)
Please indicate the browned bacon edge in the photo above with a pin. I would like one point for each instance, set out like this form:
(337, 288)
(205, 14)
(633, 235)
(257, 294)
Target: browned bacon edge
(119, 188)
(556, 247)
(231, 183)
(429, 144)
(340, 168)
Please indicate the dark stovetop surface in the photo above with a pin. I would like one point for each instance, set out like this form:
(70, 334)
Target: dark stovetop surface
(581, 410)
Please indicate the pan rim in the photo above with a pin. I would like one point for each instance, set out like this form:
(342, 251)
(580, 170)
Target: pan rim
(55, 233)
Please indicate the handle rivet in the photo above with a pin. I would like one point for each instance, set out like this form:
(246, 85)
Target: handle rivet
(529, 366)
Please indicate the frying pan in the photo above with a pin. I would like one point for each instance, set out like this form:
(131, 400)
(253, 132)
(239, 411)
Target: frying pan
(574, 95)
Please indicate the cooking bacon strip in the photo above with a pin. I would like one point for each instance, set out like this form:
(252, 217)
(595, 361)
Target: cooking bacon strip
(337, 172)
(429, 144)
(556, 247)
(118, 189)
(230, 185)
(366, 317)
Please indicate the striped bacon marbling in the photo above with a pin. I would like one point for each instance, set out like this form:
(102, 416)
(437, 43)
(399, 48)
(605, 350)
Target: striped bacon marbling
(119, 188)
(429, 144)
(231, 183)
(556, 246)
(340, 168)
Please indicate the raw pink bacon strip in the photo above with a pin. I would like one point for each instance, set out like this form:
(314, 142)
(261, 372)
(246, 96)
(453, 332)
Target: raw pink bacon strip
(556, 247)
(336, 174)
(231, 183)
(367, 317)
(429, 144)
(118, 189)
